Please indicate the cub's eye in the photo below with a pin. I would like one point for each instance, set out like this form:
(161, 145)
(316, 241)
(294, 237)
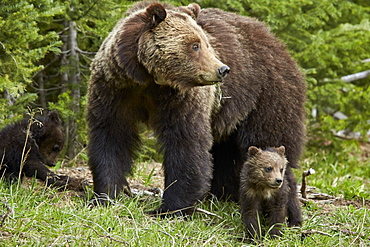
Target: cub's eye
(56, 147)
(268, 169)
(195, 47)
(281, 170)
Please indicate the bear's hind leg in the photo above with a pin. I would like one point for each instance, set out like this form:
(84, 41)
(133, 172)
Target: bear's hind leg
(294, 207)
(227, 166)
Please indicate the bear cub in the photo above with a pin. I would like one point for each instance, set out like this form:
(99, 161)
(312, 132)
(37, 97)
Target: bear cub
(42, 147)
(264, 189)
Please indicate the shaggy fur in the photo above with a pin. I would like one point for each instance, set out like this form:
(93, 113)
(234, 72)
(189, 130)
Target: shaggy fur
(264, 190)
(44, 143)
(159, 66)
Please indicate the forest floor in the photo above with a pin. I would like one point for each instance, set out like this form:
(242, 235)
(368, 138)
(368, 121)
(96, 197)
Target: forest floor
(35, 213)
(83, 178)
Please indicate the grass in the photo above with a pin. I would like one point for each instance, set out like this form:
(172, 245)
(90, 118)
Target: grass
(344, 173)
(34, 215)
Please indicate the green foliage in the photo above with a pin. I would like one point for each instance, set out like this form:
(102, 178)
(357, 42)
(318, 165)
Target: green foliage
(64, 106)
(22, 44)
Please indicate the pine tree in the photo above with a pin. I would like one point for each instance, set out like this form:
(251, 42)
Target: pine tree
(21, 45)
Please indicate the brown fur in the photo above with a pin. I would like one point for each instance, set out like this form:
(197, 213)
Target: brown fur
(44, 143)
(159, 66)
(264, 190)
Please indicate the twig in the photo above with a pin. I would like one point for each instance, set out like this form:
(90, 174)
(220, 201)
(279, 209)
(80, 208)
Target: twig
(173, 239)
(6, 215)
(207, 212)
(170, 185)
(311, 231)
(106, 236)
(208, 240)
(99, 226)
(348, 232)
(164, 232)
(303, 187)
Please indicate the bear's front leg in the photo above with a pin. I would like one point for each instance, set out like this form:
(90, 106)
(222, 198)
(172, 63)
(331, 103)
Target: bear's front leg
(251, 216)
(276, 220)
(182, 125)
(33, 166)
(188, 174)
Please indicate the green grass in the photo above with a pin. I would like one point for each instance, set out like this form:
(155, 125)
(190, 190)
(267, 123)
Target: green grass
(343, 173)
(34, 215)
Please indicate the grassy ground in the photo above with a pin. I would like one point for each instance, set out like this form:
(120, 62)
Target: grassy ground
(34, 215)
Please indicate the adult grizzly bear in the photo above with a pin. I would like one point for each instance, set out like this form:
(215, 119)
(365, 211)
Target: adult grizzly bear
(264, 190)
(161, 65)
(40, 147)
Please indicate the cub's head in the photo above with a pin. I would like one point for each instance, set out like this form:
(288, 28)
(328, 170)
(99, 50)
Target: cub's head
(266, 168)
(168, 45)
(49, 137)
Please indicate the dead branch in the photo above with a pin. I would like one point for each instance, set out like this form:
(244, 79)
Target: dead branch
(311, 231)
(348, 232)
(106, 236)
(6, 215)
(303, 187)
(207, 212)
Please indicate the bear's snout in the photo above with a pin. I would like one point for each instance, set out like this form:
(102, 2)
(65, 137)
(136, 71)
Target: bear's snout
(223, 71)
(279, 181)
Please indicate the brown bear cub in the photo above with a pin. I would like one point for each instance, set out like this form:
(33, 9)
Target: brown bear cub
(44, 143)
(264, 190)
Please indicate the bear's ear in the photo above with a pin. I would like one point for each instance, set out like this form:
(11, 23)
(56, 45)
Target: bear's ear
(53, 116)
(156, 13)
(195, 9)
(37, 129)
(252, 151)
(192, 9)
(280, 150)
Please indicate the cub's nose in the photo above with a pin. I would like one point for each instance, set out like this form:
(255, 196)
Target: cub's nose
(223, 71)
(279, 180)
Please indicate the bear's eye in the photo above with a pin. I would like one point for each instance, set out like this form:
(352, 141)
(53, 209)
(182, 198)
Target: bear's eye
(281, 170)
(195, 47)
(268, 169)
(56, 147)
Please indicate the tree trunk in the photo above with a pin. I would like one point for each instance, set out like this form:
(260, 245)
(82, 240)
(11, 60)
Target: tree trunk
(41, 90)
(74, 80)
(70, 79)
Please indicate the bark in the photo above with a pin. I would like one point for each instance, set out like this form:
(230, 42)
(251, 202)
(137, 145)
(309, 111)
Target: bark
(70, 79)
(74, 80)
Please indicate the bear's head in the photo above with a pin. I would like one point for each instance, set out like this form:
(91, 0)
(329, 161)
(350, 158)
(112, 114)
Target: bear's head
(266, 167)
(49, 137)
(169, 46)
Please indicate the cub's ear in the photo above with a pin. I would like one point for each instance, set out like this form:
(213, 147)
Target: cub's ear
(157, 13)
(37, 129)
(53, 116)
(252, 151)
(280, 150)
(192, 9)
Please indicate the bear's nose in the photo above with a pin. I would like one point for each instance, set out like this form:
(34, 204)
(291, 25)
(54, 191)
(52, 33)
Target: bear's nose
(279, 180)
(223, 71)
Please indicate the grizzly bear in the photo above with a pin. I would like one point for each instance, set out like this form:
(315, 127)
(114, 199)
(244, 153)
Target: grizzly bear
(39, 142)
(264, 190)
(209, 83)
